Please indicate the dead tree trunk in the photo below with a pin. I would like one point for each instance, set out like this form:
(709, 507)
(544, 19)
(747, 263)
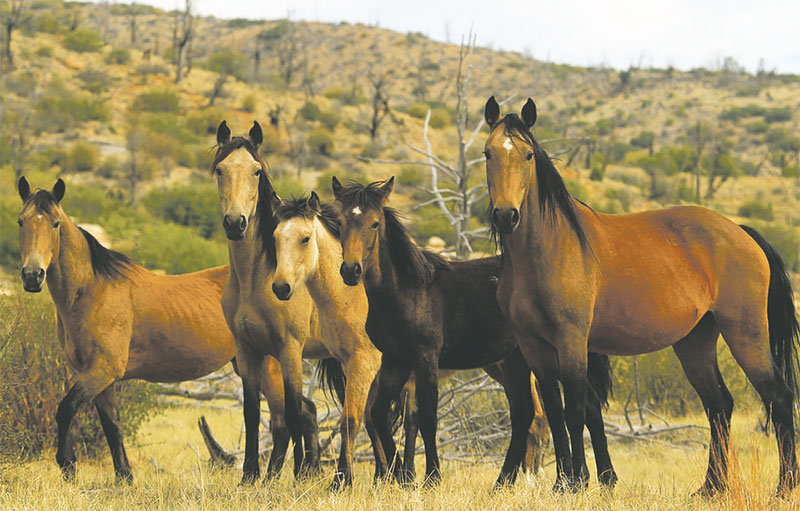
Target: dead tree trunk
(182, 34)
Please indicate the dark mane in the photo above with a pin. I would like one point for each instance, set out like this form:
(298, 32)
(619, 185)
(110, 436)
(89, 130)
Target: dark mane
(42, 200)
(412, 263)
(106, 263)
(553, 194)
(266, 220)
(299, 207)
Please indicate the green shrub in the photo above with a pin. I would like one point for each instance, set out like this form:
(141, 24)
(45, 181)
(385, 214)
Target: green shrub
(418, 110)
(177, 249)
(152, 69)
(157, 101)
(413, 175)
(36, 378)
(310, 111)
(228, 62)
(329, 119)
(778, 114)
(9, 241)
(272, 140)
(83, 40)
(783, 238)
(440, 118)
(372, 149)
(249, 103)
(336, 92)
(47, 23)
(190, 205)
(736, 113)
(791, 171)
(82, 157)
(118, 56)
(60, 112)
(757, 127)
(22, 83)
(109, 167)
(756, 209)
(94, 80)
(44, 51)
(204, 122)
(320, 140)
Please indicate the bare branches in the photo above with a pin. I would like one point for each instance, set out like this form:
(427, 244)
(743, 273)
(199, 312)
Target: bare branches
(15, 13)
(182, 35)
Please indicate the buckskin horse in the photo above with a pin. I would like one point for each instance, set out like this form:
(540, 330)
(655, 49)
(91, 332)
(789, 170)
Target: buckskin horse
(116, 320)
(575, 280)
(427, 313)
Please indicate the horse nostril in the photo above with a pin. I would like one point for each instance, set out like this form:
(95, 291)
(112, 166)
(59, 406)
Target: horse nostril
(281, 290)
(495, 217)
(357, 270)
(242, 222)
(514, 217)
(40, 274)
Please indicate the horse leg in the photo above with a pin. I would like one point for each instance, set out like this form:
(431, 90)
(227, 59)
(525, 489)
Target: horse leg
(596, 399)
(377, 447)
(543, 360)
(748, 340)
(272, 388)
(360, 372)
(87, 386)
(538, 434)
(106, 405)
(391, 379)
(697, 353)
(250, 365)
(292, 368)
(410, 428)
(427, 378)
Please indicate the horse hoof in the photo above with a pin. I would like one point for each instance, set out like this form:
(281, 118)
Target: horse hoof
(432, 481)
(707, 491)
(608, 479)
(68, 472)
(125, 478)
(249, 479)
(340, 481)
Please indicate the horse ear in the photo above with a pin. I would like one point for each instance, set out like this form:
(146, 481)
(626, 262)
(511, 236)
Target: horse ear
(491, 112)
(58, 190)
(256, 135)
(223, 133)
(313, 202)
(24, 188)
(386, 190)
(529, 113)
(336, 186)
(275, 200)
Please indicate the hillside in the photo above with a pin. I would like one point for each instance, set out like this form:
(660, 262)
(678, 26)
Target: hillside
(92, 97)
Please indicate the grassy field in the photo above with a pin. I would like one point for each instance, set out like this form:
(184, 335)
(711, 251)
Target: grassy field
(171, 472)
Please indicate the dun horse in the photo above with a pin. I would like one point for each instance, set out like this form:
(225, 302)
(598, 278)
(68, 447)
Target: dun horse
(308, 255)
(574, 279)
(117, 320)
(427, 313)
(262, 324)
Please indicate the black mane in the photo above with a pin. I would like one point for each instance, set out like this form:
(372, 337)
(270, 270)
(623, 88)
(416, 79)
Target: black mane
(266, 219)
(413, 264)
(106, 263)
(299, 207)
(42, 200)
(553, 194)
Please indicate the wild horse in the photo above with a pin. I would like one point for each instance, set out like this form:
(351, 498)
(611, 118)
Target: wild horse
(426, 313)
(119, 321)
(575, 280)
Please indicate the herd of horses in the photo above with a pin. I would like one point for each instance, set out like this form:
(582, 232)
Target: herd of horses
(345, 283)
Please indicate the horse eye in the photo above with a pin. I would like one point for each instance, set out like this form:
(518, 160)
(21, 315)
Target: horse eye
(56, 224)
(218, 171)
(530, 155)
(486, 153)
(376, 225)
(257, 172)
(305, 240)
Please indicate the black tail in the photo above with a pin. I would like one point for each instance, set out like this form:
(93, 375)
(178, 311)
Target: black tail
(332, 379)
(784, 332)
(599, 372)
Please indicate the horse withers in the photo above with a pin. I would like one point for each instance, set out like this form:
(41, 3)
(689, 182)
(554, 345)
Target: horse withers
(116, 320)
(575, 280)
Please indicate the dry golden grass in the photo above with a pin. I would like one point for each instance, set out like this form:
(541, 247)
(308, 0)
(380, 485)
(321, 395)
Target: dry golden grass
(171, 473)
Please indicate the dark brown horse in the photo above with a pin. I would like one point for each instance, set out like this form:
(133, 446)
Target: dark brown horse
(118, 320)
(427, 313)
(575, 280)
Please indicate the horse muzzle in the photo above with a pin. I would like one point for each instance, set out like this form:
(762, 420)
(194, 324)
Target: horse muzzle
(505, 220)
(234, 227)
(32, 279)
(351, 273)
(282, 291)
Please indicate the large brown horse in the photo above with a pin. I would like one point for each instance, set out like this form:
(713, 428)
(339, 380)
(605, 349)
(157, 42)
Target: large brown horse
(575, 280)
(264, 325)
(117, 320)
(427, 313)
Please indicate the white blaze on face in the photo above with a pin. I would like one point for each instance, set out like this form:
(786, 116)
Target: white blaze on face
(356, 210)
(508, 145)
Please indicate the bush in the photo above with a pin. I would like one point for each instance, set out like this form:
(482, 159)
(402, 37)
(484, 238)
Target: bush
(757, 127)
(152, 69)
(60, 112)
(82, 157)
(157, 101)
(9, 244)
(336, 92)
(249, 103)
(310, 111)
(756, 209)
(791, 171)
(118, 56)
(83, 40)
(177, 249)
(440, 118)
(418, 110)
(784, 239)
(44, 51)
(35, 379)
(321, 141)
(204, 122)
(413, 175)
(272, 140)
(329, 119)
(94, 80)
(190, 205)
(778, 114)
(736, 113)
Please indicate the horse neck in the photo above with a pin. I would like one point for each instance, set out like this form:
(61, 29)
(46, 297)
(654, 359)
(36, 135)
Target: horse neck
(72, 269)
(385, 278)
(248, 259)
(325, 284)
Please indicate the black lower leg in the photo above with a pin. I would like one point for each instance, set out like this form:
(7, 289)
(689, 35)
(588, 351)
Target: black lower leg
(65, 456)
(594, 423)
(516, 383)
(110, 422)
(310, 437)
(280, 443)
(252, 418)
(427, 405)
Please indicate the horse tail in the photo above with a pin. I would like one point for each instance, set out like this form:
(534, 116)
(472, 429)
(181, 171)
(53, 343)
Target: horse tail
(784, 332)
(332, 379)
(599, 374)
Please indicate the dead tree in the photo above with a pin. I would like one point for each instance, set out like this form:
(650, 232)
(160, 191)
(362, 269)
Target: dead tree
(380, 101)
(182, 34)
(15, 14)
(288, 49)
